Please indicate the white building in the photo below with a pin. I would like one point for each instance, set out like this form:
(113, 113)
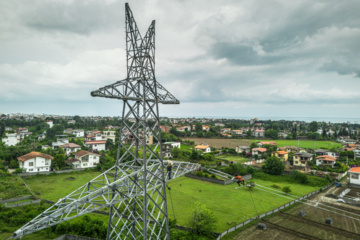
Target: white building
(70, 148)
(325, 160)
(11, 139)
(50, 123)
(78, 132)
(355, 175)
(35, 162)
(84, 159)
(203, 148)
(108, 135)
(61, 140)
(95, 145)
(259, 133)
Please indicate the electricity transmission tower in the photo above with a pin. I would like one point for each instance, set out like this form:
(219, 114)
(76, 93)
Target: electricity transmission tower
(133, 190)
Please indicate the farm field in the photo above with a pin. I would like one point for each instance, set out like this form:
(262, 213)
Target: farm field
(230, 206)
(232, 143)
(232, 158)
(220, 142)
(306, 144)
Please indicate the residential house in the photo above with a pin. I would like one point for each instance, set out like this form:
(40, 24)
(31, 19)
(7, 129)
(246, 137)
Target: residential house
(84, 159)
(289, 148)
(225, 130)
(241, 149)
(97, 145)
(325, 160)
(50, 123)
(283, 155)
(282, 135)
(258, 151)
(71, 122)
(237, 132)
(220, 124)
(302, 158)
(356, 153)
(78, 132)
(205, 128)
(168, 146)
(355, 176)
(203, 147)
(70, 148)
(41, 136)
(60, 140)
(266, 143)
(164, 128)
(322, 152)
(11, 139)
(109, 135)
(259, 133)
(35, 162)
(68, 131)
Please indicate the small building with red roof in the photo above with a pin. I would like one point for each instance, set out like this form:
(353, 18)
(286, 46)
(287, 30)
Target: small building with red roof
(70, 148)
(325, 160)
(354, 175)
(35, 162)
(84, 159)
(258, 151)
(203, 147)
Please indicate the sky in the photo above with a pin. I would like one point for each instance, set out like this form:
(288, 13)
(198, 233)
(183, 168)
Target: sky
(251, 58)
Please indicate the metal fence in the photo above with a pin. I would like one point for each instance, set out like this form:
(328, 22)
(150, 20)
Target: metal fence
(271, 212)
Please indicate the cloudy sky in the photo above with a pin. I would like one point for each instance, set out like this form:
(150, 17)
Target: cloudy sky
(252, 58)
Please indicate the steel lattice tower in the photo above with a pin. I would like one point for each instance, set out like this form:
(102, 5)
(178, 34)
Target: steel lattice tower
(134, 189)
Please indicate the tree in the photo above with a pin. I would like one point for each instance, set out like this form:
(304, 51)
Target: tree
(313, 126)
(201, 219)
(14, 164)
(271, 133)
(109, 144)
(198, 127)
(2, 129)
(253, 145)
(286, 190)
(273, 166)
(59, 161)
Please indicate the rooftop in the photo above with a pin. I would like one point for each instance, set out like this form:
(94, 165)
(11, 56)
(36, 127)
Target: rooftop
(31, 155)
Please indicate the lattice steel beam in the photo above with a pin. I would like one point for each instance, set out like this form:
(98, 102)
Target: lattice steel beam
(134, 189)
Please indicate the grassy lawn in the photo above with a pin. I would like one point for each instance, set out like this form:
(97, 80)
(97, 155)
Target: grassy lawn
(233, 158)
(231, 206)
(54, 187)
(306, 143)
(185, 147)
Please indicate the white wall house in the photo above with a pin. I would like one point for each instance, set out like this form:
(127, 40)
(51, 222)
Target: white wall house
(61, 140)
(203, 148)
(11, 139)
(50, 123)
(70, 148)
(325, 160)
(84, 159)
(259, 133)
(95, 145)
(35, 162)
(354, 175)
(109, 135)
(78, 132)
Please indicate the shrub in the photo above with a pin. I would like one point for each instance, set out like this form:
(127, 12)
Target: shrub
(273, 166)
(275, 186)
(213, 176)
(199, 174)
(201, 219)
(299, 177)
(286, 189)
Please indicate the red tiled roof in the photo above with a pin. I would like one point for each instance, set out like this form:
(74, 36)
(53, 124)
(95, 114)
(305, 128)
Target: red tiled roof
(326, 158)
(83, 152)
(70, 145)
(259, 130)
(280, 152)
(71, 160)
(95, 142)
(31, 155)
(260, 149)
(202, 146)
(355, 169)
(268, 143)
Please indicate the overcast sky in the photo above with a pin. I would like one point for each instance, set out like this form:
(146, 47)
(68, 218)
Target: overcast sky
(256, 58)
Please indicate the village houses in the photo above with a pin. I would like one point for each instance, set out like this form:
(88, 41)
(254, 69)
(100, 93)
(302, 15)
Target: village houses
(35, 162)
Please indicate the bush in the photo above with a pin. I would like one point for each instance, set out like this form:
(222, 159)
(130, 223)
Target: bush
(299, 177)
(213, 176)
(286, 189)
(273, 166)
(199, 174)
(201, 219)
(275, 186)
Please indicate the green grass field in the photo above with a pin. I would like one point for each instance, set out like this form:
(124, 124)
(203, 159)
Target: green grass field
(306, 144)
(185, 147)
(54, 187)
(231, 206)
(232, 158)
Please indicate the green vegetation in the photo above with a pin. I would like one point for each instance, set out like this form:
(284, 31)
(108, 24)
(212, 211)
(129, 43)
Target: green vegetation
(232, 158)
(230, 206)
(12, 187)
(307, 144)
(56, 186)
(273, 166)
(201, 219)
